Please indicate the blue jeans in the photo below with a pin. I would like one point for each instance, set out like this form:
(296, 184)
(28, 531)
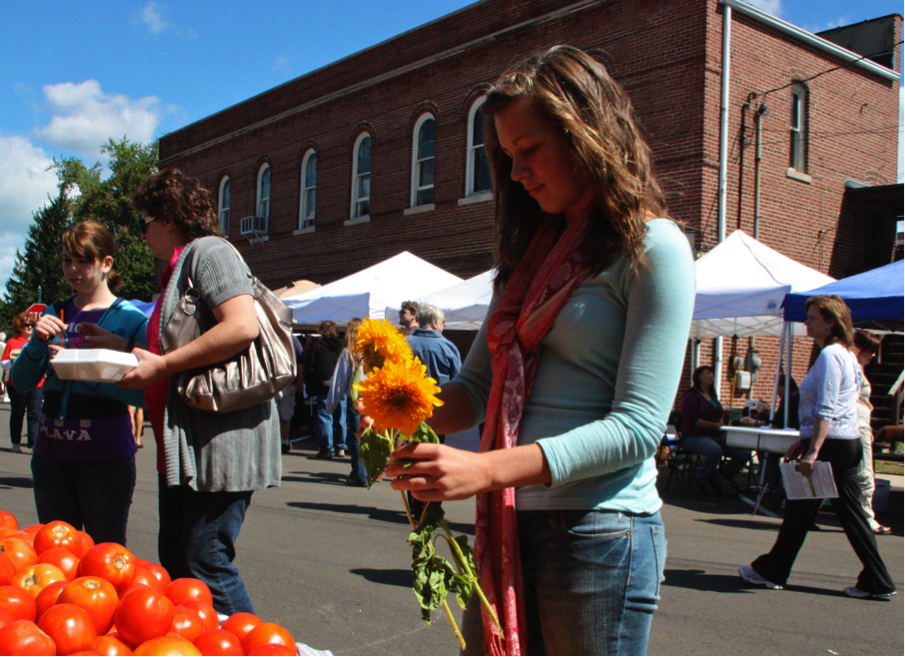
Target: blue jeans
(330, 425)
(95, 495)
(353, 418)
(24, 404)
(711, 450)
(591, 579)
(197, 538)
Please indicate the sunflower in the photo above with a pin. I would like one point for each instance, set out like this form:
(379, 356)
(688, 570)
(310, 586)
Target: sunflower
(399, 395)
(378, 341)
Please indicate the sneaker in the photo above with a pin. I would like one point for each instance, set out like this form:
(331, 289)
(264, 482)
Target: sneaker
(855, 592)
(340, 453)
(17, 449)
(355, 483)
(751, 576)
(324, 454)
(285, 448)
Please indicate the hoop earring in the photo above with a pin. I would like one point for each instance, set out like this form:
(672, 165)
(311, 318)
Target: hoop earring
(829, 333)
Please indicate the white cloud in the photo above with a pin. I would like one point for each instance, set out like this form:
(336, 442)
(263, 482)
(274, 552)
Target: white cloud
(152, 18)
(25, 184)
(770, 6)
(283, 64)
(85, 117)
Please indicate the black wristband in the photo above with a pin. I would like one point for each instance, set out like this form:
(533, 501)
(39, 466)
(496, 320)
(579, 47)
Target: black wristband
(130, 345)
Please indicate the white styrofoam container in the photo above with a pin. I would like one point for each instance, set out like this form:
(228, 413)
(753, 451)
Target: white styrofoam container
(93, 364)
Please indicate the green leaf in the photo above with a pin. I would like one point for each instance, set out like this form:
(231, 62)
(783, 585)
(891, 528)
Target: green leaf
(462, 542)
(464, 588)
(433, 578)
(424, 434)
(374, 453)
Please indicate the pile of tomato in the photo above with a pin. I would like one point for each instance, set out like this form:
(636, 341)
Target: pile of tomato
(60, 594)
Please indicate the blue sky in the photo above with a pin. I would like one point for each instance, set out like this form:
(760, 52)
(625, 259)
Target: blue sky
(75, 74)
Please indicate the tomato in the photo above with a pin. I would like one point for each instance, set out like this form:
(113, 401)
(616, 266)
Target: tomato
(62, 559)
(167, 645)
(33, 529)
(218, 642)
(17, 603)
(58, 533)
(208, 615)
(48, 597)
(142, 615)
(23, 536)
(19, 552)
(6, 618)
(187, 623)
(189, 588)
(7, 570)
(70, 627)
(96, 596)
(274, 649)
(158, 572)
(266, 633)
(144, 577)
(34, 578)
(111, 646)
(8, 521)
(25, 638)
(111, 561)
(108, 645)
(241, 623)
(87, 543)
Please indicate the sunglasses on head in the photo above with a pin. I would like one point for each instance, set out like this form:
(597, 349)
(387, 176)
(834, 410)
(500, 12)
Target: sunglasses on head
(143, 223)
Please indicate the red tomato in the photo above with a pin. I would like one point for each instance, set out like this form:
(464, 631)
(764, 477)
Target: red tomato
(58, 533)
(34, 578)
(109, 645)
(17, 603)
(96, 596)
(111, 561)
(7, 570)
(167, 645)
(206, 612)
(6, 618)
(24, 536)
(218, 642)
(33, 529)
(4, 532)
(48, 597)
(241, 623)
(62, 559)
(19, 552)
(143, 615)
(187, 623)
(159, 573)
(189, 588)
(87, 543)
(70, 627)
(8, 521)
(274, 649)
(266, 633)
(25, 638)
(84, 652)
(144, 577)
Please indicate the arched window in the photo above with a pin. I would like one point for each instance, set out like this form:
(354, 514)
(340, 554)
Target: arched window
(262, 208)
(477, 168)
(309, 190)
(361, 176)
(798, 129)
(423, 140)
(223, 205)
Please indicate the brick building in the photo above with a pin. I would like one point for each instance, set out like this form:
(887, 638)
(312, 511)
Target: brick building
(376, 153)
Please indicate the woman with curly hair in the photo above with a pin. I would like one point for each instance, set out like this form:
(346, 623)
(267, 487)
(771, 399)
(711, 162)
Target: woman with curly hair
(208, 463)
(574, 371)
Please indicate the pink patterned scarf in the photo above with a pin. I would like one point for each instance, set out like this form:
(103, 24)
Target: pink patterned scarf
(545, 278)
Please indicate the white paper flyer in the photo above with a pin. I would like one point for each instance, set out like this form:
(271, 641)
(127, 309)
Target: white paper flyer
(820, 485)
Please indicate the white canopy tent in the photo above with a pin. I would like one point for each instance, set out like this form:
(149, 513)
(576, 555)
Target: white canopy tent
(464, 303)
(371, 291)
(741, 284)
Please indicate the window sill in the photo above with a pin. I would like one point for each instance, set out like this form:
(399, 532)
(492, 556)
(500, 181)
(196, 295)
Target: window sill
(418, 209)
(254, 239)
(303, 231)
(354, 221)
(794, 174)
(476, 198)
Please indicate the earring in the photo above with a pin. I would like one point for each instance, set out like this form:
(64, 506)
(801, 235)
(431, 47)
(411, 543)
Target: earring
(829, 333)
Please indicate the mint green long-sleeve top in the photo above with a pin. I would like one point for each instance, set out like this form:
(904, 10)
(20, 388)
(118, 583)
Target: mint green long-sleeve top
(608, 373)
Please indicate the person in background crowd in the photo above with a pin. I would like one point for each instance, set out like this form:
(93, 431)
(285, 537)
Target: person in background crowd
(702, 421)
(319, 366)
(209, 464)
(3, 396)
(441, 356)
(865, 347)
(772, 473)
(343, 396)
(287, 398)
(576, 368)
(137, 415)
(84, 458)
(408, 317)
(27, 401)
(829, 432)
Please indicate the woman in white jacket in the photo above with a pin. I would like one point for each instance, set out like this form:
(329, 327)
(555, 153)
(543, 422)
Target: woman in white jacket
(346, 374)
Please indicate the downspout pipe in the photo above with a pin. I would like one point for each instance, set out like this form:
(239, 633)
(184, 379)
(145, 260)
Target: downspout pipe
(724, 166)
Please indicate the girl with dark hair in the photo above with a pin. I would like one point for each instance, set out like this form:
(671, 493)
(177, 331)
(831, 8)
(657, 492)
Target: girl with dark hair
(84, 457)
(23, 403)
(573, 372)
(702, 421)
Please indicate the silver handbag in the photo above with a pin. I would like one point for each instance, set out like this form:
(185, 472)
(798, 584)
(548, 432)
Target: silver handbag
(252, 376)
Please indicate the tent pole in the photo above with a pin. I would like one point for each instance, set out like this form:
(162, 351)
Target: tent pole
(785, 405)
(782, 347)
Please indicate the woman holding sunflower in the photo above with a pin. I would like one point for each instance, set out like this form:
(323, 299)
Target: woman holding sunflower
(573, 372)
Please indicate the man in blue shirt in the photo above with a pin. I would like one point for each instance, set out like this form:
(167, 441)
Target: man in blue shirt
(427, 342)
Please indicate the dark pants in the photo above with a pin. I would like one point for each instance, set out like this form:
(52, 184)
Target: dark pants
(197, 538)
(29, 402)
(845, 457)
(353, 418)
(94, 495)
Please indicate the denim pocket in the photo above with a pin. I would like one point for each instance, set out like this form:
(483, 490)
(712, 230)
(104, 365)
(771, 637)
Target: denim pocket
(596, 524)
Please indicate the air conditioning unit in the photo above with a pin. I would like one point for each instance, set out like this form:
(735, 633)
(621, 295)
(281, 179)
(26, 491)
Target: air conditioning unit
(254, 228)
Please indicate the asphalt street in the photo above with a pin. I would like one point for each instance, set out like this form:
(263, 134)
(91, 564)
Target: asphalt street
(331, 564)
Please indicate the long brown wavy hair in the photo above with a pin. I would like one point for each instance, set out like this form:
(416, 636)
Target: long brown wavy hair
(570, 89)
(172, 195)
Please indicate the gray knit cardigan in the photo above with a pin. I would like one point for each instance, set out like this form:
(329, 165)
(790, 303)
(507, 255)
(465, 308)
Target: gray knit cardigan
(207, 451)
